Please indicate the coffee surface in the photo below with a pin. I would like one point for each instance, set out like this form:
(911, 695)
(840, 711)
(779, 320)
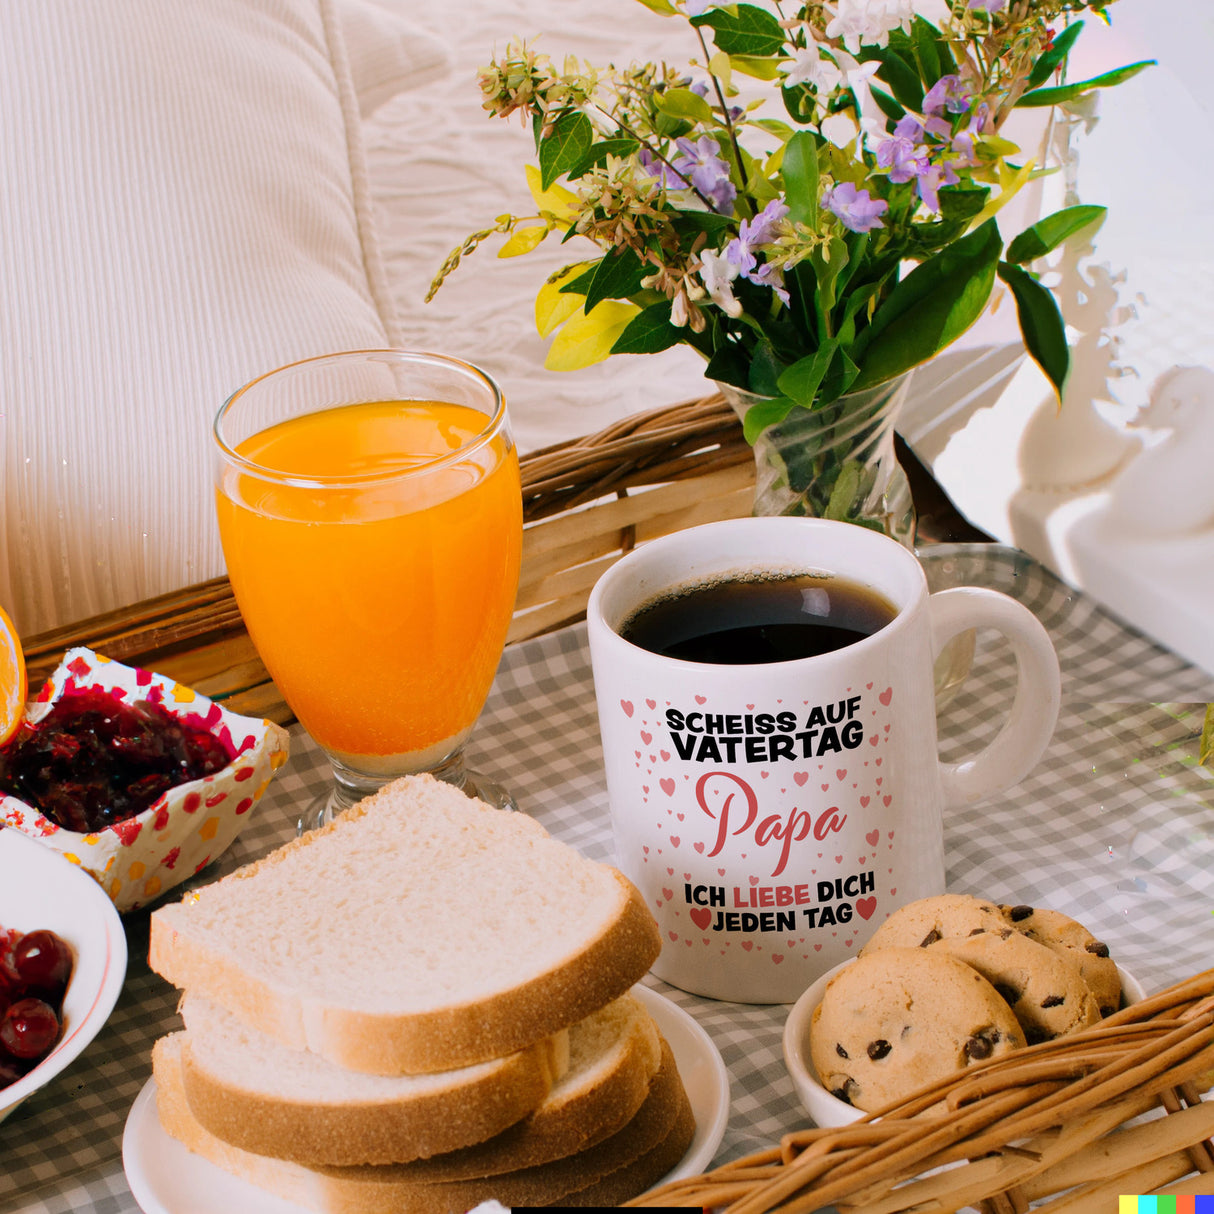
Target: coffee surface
(758, 618)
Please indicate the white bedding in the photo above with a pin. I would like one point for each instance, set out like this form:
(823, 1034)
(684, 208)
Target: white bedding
(190, 196)
(441, 168)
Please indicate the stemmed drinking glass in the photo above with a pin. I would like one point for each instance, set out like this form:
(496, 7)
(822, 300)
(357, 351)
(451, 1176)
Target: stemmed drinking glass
(371, 517)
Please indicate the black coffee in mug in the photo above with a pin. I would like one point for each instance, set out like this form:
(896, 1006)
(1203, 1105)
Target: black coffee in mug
(760, 617)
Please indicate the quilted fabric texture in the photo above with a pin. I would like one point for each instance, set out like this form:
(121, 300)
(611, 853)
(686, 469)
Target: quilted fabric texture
(184, 206)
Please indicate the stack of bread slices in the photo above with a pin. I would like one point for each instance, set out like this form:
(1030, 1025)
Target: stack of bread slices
(425, 1005)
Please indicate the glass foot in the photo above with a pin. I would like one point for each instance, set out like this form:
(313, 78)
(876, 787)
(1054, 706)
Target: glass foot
(489, 791)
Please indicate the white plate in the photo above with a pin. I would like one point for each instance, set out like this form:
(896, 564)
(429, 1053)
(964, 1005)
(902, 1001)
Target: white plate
(165, 1178)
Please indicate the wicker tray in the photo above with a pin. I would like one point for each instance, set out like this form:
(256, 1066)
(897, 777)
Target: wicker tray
(585, 503)
(1068, 1126)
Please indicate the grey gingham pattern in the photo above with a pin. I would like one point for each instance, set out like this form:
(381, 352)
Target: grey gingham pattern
(1114, 827)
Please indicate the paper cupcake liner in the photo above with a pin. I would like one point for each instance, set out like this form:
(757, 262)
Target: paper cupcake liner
(137, 860)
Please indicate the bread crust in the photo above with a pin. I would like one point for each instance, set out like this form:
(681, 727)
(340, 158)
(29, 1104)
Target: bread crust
(415, 1041)
(348, 1132)
(593, 1114)
(628, 1162)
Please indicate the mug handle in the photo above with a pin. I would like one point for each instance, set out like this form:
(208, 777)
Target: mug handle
(1015, 750)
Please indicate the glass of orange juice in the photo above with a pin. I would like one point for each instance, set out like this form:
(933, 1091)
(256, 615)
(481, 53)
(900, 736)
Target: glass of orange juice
(371, 518)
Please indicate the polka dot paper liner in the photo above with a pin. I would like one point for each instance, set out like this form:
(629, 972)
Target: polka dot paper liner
(137, 860)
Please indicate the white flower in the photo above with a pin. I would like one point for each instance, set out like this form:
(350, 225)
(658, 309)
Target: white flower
(812, 67)
(717, 274)
(868, 21)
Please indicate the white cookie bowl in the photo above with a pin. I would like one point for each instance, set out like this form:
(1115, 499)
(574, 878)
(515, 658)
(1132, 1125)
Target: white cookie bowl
(825, 1109)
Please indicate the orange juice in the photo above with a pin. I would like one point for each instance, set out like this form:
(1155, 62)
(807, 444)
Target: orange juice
(378, 588)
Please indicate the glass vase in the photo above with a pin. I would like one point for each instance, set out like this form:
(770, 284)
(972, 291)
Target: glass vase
(835, 461)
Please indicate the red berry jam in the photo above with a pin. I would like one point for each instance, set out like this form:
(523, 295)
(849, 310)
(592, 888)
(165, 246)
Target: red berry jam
(34, 972)
(95, 760)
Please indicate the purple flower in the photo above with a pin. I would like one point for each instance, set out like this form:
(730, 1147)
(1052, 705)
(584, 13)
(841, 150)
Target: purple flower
(764, 228)
(752, 235)
(904, 158)
(654, 166)
(909, 127)
(708, 173)
(768, 275)
(988, 6)
(856, 209)
(937, 175)
(949, 93)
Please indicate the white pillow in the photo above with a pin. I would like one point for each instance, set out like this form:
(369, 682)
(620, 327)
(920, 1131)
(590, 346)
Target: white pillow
(387, 55)
(183, 206)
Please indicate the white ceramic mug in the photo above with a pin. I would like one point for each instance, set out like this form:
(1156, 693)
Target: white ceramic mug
(773, 815)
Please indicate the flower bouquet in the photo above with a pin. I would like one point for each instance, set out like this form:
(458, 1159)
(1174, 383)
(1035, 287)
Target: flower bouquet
(811, 204)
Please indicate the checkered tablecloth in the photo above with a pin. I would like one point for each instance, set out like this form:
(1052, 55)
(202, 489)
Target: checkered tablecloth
(1115, 827)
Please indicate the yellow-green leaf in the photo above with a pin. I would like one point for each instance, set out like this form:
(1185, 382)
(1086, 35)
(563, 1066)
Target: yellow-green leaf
(560, 203)
(584, 340)
(719, 65)
(523, 240)
(553, 306)
(1010, 182)
(662, 7)
(756, 66)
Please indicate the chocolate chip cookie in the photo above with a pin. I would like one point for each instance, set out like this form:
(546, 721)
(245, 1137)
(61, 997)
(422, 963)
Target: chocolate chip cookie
(927, 920)
(1046, 991)
(1072, 940)
(899, 1018)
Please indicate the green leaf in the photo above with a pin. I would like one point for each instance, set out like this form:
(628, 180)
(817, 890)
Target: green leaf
(924, 41)
(800, 382)
(901, 76)
(1040, 323)
(649, 332)
(580, 284)
(799, 169)
(1048, 233)
(662, 7)
(886, 104)
(616, 276)
(1205, 754)
(743, 29)
(1065, 92)
(961, 202)
(685, 105)
(826, 273)
(564, 147)
(765, 369)
(774, 126)
(767, 411)
(597, 153)
(1052, 59)
(844, 492)
(729, 365)
(930, 308)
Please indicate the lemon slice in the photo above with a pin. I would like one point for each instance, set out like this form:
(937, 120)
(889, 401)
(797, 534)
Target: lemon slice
(13, 685)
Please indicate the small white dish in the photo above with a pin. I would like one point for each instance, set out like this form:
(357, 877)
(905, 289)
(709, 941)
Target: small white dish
(40, 889)
(166, 1178)
(827, 1110)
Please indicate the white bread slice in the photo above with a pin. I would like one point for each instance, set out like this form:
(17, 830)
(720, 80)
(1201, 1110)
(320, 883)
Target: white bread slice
(263, 1097)
(258, 1094)
(614, 1055)
(655, 1138)
(420, 931)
